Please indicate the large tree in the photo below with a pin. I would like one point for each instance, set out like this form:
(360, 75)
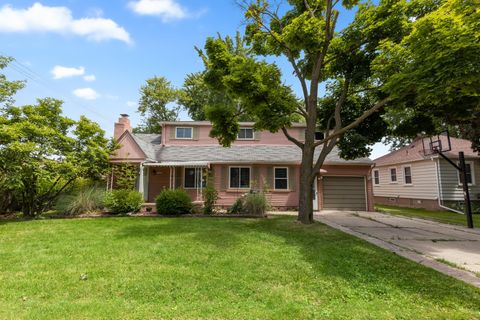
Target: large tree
(42, 152)
(354, 65)
(156, 98)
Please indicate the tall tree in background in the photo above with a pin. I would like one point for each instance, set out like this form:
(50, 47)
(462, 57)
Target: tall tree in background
(355, 64)
(155, 97)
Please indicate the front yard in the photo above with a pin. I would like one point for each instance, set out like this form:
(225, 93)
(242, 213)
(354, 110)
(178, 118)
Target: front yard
(204, 268)
(435, 215)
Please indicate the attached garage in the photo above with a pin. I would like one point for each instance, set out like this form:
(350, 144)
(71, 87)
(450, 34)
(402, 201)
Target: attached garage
(344, 193)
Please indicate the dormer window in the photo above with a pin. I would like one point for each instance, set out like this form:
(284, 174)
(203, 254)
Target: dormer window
(245, 134)
(183, 133)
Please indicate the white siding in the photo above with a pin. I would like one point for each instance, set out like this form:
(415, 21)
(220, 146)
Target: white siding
(424, 181)
(451, 189)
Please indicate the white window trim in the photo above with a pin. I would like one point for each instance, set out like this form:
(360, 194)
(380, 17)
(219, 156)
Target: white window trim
(378, 172)
(390, 175)
(472, 172)
(253, 134)
(274, 178)
(185, 174)
(411, 175)
(249, 177)
(183, 128)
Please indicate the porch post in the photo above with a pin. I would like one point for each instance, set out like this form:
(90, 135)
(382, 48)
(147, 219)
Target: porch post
(140, 180)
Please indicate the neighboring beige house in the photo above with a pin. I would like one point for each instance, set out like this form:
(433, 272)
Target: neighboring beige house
(407, 177)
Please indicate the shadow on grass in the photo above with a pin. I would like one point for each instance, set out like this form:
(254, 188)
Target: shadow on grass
(331, 253)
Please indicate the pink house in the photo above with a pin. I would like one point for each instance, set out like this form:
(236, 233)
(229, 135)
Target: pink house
(179, 157)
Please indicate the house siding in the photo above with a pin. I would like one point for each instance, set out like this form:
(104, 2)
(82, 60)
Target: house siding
(424, 181)
(450, 187)
(201, 136)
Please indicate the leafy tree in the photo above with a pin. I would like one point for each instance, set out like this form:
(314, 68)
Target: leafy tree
(125, 175)
(155, 96)
(358, 65)
(436, 71)
(42, 153)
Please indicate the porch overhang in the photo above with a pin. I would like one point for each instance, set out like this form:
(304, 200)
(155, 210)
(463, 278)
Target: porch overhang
(191, 164)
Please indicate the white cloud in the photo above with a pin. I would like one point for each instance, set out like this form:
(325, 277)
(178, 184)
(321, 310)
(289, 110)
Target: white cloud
(165, 9)
(60, 72)
(86, 93)
(89, 78)
(131, 104)
(40, 18)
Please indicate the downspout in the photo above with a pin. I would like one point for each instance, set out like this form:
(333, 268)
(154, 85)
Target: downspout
(439, 191)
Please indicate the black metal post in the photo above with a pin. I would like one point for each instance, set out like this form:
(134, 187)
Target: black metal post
(466, 194)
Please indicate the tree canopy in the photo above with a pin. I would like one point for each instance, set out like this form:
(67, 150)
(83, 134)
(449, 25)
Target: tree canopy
(156, 98)
(42, 152)
(396, 58)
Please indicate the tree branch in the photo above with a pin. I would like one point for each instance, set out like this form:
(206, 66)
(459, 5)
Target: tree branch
(339, 104)
(292, 139)
(357, 121)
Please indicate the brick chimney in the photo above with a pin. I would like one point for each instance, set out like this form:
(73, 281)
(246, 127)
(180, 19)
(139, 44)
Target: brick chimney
(121, 126)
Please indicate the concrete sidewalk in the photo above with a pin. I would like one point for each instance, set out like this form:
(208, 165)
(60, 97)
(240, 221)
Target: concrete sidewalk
(433, 244)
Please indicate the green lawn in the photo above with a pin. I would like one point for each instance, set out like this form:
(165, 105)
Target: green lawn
(440, 216)
(213, 268)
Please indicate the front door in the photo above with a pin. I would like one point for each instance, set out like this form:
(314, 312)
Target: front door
(315, 195)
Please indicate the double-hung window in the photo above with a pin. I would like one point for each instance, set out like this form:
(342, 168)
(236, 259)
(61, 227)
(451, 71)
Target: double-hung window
(193, 178)
(281, 178)
(183, 133)
(239, 177)
(376, 177)
(407, 173)
(470, 175)
(245, 134)
(393, 174)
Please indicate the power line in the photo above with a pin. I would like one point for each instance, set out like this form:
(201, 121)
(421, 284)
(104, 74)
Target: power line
(35, 77)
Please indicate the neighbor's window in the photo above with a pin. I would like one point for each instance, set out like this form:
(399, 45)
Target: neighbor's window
(281, 178)
(376, 177)
(183, 133)
(239, 177)
(393, 174)
(245, 134)
(407, 172)
(469, 169)
(193, 178)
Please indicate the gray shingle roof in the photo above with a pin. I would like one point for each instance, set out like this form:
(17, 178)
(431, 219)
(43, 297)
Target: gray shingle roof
(151, 145)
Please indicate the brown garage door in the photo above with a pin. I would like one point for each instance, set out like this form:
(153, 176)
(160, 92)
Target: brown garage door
(344, 193)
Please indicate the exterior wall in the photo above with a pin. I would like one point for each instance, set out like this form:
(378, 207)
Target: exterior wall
(451, 189)
(128, 150)
(408, 202)
(201, 136)
(424, 181)
(261, 177)
(352, 171)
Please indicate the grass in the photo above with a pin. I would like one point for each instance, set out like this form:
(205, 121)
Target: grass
(439, 216)
(214, 268)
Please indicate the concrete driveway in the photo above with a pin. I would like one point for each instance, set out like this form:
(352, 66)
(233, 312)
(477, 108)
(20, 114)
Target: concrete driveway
(436, 245)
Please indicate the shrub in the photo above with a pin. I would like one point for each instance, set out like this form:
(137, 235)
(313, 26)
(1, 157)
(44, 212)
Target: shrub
(123, 201)
(86, 200)
(210, 196)
(173, 202)
(237, 207)
(250, 203)
(255, 204)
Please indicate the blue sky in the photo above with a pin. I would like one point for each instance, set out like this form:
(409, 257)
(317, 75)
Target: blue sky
(95, 55)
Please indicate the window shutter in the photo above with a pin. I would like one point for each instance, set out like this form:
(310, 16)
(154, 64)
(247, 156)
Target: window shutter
(179, 177)
(195, 133)
(292, 178)
(172, 132)
(257, 135)
(224, 178)
(270, 179)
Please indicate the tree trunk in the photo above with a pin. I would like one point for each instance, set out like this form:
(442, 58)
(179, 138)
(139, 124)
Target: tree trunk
(305, 204)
